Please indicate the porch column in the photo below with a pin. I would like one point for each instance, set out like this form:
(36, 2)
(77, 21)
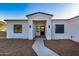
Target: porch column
(30, 30)
(48, 29)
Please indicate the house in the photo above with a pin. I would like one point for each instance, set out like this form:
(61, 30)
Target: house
(42, 24)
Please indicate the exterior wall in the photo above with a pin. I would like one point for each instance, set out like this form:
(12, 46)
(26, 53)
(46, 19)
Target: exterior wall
(64, 35)
(74, 29)
(30, 30)
(34, 30)
(48, 30)
(10, 29)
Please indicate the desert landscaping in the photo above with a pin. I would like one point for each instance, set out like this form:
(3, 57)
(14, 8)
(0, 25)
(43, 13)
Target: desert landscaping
(20, 47)
(64, 47)
(15, 47)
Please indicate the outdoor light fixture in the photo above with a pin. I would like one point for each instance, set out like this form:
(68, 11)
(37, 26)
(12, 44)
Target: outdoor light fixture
(49, 26)
(29, 26)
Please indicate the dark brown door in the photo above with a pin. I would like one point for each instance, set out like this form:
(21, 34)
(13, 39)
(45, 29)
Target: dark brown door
(42, 30)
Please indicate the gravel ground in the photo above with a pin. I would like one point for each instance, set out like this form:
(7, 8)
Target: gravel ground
(22, 47)
(19, 47)
(64, 47)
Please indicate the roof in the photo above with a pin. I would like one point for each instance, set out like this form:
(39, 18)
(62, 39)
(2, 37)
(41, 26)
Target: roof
(39, 13)
(60, 19)
(74, 17)
(15, 19)
(65, 19)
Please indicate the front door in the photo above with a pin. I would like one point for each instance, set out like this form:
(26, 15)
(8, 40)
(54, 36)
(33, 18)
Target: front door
(42, 30)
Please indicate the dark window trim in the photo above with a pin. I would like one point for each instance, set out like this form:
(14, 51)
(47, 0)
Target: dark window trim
(56, 28)
(14, 28)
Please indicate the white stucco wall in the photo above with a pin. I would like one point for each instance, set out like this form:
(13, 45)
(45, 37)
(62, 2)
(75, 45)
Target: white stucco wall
(48, 30)
(10, 29)
(30, 30)
(74, 28)
(64, 35)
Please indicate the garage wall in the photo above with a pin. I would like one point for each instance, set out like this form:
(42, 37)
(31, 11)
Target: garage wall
(10, 29)
(74, 28)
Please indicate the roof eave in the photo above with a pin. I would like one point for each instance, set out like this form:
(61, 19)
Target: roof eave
(15, 19)
(38, 13)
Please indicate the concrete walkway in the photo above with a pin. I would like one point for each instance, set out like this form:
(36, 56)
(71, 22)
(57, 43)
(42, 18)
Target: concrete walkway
(41, 50)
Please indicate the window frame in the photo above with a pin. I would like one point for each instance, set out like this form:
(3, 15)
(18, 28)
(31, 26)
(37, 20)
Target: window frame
(57, 32)
(15, 28)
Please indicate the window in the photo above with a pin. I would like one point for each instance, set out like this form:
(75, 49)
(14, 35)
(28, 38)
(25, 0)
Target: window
(59, 28)
(17, 28)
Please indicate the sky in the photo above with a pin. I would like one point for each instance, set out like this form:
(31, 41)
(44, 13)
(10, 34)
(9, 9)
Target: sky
(19, 10)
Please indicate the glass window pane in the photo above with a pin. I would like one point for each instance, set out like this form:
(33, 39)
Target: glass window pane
(59, 28)
(17, 28)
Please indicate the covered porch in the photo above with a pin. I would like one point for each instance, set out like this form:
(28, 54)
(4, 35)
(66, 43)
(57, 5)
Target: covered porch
(39, 24)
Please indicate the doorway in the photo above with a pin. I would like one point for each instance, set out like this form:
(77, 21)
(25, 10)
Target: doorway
(39, 28)
(42, 30)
